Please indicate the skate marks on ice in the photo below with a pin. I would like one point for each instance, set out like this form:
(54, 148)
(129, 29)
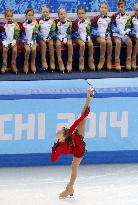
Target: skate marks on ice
(96, 185)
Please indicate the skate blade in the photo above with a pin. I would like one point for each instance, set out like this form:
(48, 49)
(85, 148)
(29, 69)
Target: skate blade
(66, 197)
(92, 91)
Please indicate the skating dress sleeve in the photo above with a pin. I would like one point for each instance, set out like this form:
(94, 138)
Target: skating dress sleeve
(56, 151)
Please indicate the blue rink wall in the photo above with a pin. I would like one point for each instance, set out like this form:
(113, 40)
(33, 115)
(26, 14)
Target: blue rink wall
(19, 6)
(31, 112)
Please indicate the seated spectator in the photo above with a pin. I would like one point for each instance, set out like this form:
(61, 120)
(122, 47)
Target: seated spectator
(101, 30)
(47, 28)
(121, 23)
(64, 36)
(10, 32)
(134, 35)
(29, 32)
(82, 34)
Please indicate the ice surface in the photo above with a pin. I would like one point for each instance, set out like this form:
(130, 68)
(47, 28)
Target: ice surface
(96, 185)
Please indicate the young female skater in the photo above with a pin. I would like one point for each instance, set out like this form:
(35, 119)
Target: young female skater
(121, 24)
(134, 35)
(101, 30)
(10, 32)
(70, 141)
(63, 35)
(82, 34)
(29, 31)
(47, 27)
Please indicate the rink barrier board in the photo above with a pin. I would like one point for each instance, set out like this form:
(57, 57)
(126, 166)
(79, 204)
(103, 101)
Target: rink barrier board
(39, 159)
(70, 93)
(19, 93)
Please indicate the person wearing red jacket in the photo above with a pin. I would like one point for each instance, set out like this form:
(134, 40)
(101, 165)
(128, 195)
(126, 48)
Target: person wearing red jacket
(70, 141)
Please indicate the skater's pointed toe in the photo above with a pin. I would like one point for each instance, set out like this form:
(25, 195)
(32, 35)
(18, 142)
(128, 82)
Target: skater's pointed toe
(69, 191)
(90, 92)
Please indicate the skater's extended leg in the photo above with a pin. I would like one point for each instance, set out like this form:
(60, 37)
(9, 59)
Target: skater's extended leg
(81, 126)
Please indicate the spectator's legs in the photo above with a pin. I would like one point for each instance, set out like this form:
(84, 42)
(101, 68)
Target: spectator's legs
(128, 43)
(70, 53)
(33, 57)
(59, 56)
(4, 64)
(14, 56)
(26, 59)
(117, 53)
(109, 53)
(91, 60)
(43, 54)
(81, 54)
(102, 43)
(51, 54)
(134, 54)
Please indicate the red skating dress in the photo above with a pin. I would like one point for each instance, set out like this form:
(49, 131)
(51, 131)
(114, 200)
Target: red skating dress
(78, 149)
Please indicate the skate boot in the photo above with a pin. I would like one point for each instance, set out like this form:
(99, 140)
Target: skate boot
(52, 63)
(81, 64)
(101, 63)
(133, 63)
(69, 191)
(117, 64)
(128, 64)
(90, 92)
(33, 68)
(26, 67)
(44, 64)
(61, 65)
(109, 63)
(14, 68)
(91, 64)
(4, 67)
(69, 65)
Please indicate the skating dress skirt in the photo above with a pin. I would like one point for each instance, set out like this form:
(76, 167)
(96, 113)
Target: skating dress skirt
(77, 148)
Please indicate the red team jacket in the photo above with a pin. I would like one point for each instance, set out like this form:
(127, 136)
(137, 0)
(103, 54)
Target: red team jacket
(64, 148)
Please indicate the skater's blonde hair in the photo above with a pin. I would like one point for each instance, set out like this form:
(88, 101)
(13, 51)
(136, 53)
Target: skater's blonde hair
(8, 11)
(45, 7)
(62, 8)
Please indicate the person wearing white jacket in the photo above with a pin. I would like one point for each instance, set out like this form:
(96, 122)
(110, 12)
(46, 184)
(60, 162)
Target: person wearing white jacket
(134, 35)
(10, 32)
(82, 35)
(121, 24)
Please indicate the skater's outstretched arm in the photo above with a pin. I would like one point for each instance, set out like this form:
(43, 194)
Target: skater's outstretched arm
(56, 151)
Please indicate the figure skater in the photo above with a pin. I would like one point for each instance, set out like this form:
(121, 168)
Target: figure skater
(29, 32)
(47, 28)
(82, 34)
(101, 31)
(63, 35)
(121, 27)
(10, 33)
(70, 141)
(134, 36)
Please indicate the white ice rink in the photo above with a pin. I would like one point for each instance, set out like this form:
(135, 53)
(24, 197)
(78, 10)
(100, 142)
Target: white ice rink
(96, 185)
